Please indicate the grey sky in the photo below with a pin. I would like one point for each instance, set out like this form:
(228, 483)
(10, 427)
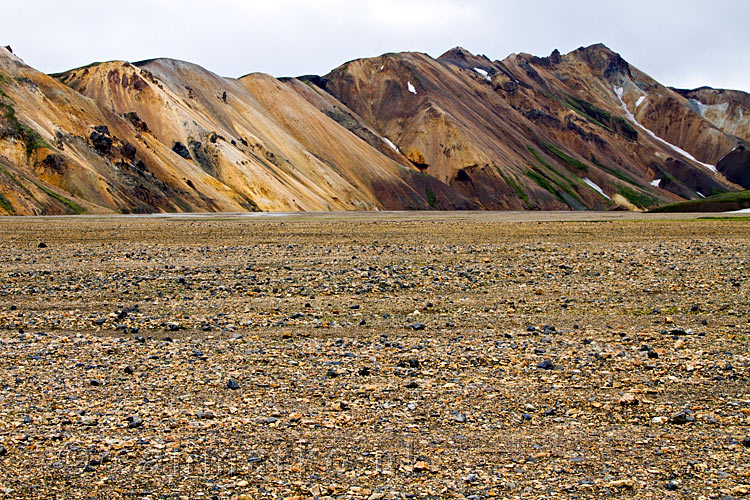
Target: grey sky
(680, 43)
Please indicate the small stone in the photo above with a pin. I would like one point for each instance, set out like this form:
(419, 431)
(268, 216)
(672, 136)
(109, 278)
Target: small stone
(364, 372)
(204, 415)
(3, 451)
(628, 399)
(546, 365)
(233, 384)
(682, 417)
(42, 245)
(471, 478)
(418, 326)
(128, 370)
(746, 442)
(672, 486)
(458, 417)
(625, 484)
(412, 385)
(95, 382)
(134, 422)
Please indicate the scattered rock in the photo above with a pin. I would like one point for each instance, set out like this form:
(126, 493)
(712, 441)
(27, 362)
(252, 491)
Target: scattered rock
(134, 422)
(628, 399)
(625, 484)
(546, 365)
(682, 417)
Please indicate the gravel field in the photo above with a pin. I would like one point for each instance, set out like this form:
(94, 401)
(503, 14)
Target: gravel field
(375, 356)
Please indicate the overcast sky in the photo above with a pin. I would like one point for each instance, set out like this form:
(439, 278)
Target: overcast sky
(683, 43)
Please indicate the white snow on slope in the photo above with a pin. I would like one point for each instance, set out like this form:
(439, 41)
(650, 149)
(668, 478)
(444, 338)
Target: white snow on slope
(619, 91)
(596, 188)
(483, 73)
(743, 211)
(701, 107)
(656, 183)
(640, 101)
(390, 144)
(411, 88)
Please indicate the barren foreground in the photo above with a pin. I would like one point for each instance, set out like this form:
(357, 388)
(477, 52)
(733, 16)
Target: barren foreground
(436, 356)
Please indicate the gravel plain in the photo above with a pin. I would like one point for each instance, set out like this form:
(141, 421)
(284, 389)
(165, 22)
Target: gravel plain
(375, 356)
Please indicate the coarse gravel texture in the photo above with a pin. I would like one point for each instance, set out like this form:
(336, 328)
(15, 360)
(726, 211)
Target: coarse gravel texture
(374, 357)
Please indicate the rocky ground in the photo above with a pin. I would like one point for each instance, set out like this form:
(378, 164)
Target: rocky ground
(386, 357)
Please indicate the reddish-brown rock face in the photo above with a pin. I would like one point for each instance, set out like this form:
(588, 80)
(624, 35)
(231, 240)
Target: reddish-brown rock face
(583, 130)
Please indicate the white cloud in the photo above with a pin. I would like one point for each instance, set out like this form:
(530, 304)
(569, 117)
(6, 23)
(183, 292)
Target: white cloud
(681, 43)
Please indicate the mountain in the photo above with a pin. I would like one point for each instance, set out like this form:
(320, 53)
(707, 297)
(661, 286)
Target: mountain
(584, 130)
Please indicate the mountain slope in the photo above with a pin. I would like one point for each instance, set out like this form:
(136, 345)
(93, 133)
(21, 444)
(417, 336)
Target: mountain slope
(170, 136)
(560, 129)
(583, 130)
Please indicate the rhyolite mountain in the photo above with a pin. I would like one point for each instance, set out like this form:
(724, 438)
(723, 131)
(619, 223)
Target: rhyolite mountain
(584, 130)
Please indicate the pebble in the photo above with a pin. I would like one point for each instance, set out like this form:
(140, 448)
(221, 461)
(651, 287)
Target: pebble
(134, 422)
(682, 417)
(546, 365)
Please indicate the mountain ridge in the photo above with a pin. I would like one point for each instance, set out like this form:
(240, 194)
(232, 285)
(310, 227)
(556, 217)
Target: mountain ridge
(583, 130)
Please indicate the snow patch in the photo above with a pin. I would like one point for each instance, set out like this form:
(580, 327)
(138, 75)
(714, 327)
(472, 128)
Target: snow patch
(391, 145)
(700, 107)
(656, 183)
(619, 91)
(483, 73)
(700, 194)
(743, 211)
(596, 188)
(411, 88)
(640, 101)
(382, 68)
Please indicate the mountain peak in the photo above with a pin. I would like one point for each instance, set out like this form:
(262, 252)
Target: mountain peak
(603, 60)
(456, 53)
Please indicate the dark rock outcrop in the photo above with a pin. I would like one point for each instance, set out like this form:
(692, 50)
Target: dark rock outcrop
(102, 142)
(181, 150)
(736, 166)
